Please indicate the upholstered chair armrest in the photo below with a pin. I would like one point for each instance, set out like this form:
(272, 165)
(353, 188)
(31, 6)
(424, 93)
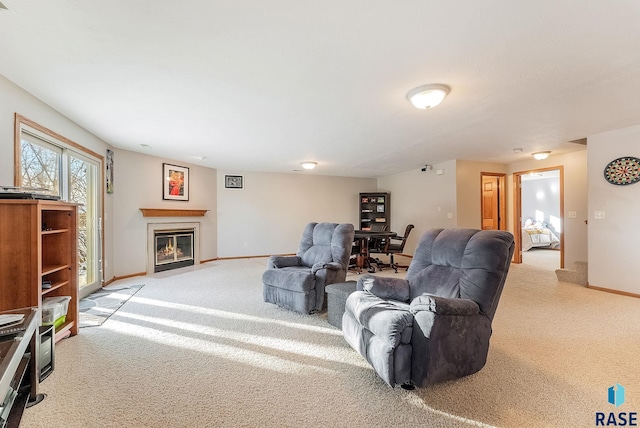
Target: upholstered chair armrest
(443, 305)
(385, 287)
(283, 261)
(331, 266)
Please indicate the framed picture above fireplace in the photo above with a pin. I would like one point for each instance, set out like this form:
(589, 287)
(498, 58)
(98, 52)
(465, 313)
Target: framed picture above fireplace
(175, 182)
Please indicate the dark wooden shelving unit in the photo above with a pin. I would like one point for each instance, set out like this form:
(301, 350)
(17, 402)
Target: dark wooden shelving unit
(375, 211)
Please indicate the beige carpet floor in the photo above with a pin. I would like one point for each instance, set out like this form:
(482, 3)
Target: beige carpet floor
(199, 348)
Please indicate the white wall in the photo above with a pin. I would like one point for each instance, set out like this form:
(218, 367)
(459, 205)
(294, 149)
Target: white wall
(613, 241)
(270, 213)
(468, 191)
(138, 184)
(15, 100)
(575, 199)
(541, 196)
(423, 199)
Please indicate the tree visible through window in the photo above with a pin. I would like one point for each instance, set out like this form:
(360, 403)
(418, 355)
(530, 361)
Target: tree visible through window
(65, 172)
(79, 180)
(40, 164)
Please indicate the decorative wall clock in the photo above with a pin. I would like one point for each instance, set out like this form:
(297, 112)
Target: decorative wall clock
(622, 171)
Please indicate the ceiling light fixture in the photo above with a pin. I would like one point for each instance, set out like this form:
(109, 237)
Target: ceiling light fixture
(428, 96)
(308, 164)
(541, 155)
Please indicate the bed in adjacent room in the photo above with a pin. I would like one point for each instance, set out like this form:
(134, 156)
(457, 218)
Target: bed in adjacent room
(537, 234)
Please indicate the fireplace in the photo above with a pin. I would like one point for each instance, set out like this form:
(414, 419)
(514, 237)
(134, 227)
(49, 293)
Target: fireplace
(174, 249)
(172, 246)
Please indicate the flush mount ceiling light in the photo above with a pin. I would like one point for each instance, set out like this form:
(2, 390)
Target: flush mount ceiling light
(427, 96)
(541, 155)
(308, 164)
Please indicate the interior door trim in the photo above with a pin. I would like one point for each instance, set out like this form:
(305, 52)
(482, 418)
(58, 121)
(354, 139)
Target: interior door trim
(517, 210)
(502, 198)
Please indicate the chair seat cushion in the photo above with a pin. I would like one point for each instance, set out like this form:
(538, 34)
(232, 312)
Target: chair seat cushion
(390, 321)
(294, 278)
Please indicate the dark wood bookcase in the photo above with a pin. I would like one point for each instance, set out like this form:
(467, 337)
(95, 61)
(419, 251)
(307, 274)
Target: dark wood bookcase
(375, 211)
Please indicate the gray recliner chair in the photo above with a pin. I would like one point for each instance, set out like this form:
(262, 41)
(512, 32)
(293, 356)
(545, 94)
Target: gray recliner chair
(434, 325)
(297, 282)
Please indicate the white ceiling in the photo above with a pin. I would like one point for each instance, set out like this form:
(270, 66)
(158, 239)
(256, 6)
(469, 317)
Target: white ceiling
(261, 86)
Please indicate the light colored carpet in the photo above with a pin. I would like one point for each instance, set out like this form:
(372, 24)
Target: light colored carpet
(542, 257)
(201, 349)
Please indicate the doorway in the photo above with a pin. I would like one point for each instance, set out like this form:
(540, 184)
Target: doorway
(83, 173)
(539, 212)
(493, 202)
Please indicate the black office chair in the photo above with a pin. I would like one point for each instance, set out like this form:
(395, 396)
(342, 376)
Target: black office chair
(377, 244)
(353, 258)
(395, 245)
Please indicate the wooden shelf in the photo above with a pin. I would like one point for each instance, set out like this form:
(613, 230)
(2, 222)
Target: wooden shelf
(51, 227)
(165, 212)
(64, 330)
(54, 231)
(375, 211)
(46, 270)
(54, 287)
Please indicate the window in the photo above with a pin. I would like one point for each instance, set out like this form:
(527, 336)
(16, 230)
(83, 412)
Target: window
(40, 163)
(46, 160)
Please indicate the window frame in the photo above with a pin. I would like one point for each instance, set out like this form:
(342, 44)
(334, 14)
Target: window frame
(51, 137)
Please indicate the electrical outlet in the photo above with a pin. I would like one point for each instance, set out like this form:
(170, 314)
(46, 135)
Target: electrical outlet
(572, 214)
(599, 215)
(449, 215)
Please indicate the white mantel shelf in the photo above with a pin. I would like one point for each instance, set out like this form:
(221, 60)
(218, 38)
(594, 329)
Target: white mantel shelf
(164, 212)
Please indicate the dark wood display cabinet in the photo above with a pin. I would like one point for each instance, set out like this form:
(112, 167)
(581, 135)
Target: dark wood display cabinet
(375, 211)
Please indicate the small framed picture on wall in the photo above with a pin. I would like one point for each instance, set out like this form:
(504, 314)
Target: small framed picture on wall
(175, 182)
(233, 182)
(109, 171)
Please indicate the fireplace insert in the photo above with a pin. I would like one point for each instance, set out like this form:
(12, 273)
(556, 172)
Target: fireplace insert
(173, 249)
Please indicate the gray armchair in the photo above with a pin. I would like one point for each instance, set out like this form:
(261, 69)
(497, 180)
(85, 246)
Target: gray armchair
(297, 282)
(434, 325)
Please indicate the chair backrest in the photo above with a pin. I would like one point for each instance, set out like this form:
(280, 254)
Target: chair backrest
(325, 243)
(399, 247)
(462, 263)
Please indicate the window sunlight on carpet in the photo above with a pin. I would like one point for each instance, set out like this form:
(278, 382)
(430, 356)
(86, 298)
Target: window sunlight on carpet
(276, 344)
(418, 402)
(233, 353)
(233, 315)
